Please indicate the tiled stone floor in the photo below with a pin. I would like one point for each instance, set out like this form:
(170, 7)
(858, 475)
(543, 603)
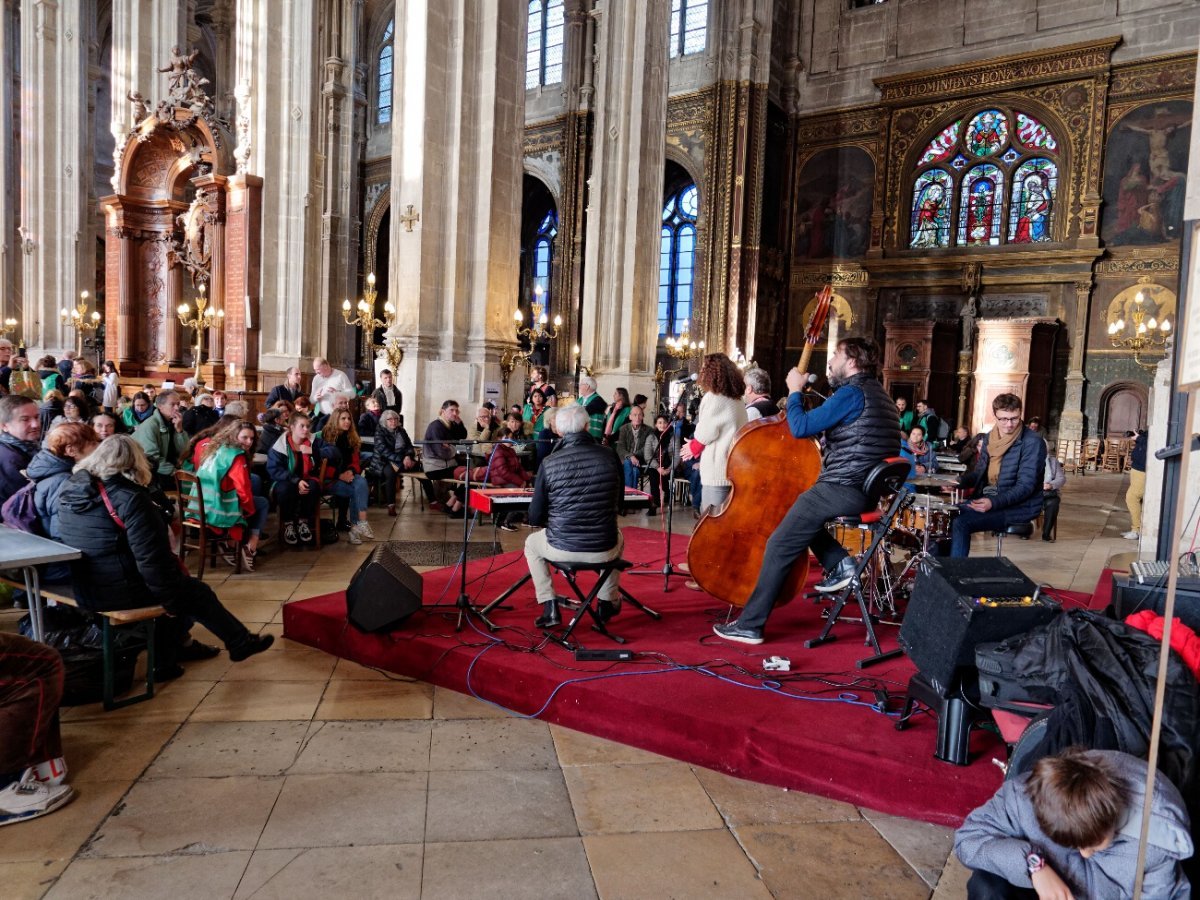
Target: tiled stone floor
(296, 775)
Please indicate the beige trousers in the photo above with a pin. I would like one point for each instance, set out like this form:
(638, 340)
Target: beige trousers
(1133, 498)
(538, 550)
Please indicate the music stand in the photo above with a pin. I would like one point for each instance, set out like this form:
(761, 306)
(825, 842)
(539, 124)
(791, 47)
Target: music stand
(668, 568)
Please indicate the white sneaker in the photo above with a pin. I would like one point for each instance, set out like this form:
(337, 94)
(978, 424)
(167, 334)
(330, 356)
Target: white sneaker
(52, 772)
(353, 535)
(1131, 535)
(364, 530)
(28, 798)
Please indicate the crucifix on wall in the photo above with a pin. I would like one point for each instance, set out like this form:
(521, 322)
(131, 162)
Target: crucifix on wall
(410, 218)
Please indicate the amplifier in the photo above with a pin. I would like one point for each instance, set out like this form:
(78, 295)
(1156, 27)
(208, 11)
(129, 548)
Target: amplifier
(1129, 597)
(958, 603)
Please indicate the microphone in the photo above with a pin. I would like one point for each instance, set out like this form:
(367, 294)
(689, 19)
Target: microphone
(687, 378)
(812, 378)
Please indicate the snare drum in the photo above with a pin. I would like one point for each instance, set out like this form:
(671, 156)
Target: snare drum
(934, 516)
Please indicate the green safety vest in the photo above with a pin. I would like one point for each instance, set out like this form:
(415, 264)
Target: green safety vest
(222, 509)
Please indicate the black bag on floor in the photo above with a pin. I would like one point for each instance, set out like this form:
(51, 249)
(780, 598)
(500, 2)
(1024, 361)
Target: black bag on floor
(79, 639)
(329, 532)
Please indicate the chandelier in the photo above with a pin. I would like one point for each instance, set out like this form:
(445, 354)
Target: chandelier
(1141, 334)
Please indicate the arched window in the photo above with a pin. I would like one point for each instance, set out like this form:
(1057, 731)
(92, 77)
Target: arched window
(383, 106)
(544, 43)
(689, 26)
(963, 174)
(543, 259)
(677, 261)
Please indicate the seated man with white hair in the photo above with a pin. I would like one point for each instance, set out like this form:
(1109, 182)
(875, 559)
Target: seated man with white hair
(328, 384)
(578, 490)
(595, 405)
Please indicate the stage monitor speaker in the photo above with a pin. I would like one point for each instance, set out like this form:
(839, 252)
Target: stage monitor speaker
(383, 592)
(958, 603)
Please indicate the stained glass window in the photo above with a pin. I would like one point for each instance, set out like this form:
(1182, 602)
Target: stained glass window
(543, 259)
(1033, 134)
(987, 133)
(544, 43)
(963, 176)
(941, 146)
(383, 106)
(677, 261)
(1035, 184)
(689, 26)
(931, 209)
(979, 209)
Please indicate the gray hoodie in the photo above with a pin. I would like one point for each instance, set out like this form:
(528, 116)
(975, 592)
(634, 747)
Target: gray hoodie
(1000, 834)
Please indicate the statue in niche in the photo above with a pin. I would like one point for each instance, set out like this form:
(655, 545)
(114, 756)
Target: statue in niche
(193, 248)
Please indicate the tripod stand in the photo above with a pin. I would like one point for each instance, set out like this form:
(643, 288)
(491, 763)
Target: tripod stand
(668, 568)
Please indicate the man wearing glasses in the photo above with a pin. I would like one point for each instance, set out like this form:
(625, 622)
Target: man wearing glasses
(1007, 478)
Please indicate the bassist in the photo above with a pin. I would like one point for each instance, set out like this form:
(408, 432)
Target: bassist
(859, 422)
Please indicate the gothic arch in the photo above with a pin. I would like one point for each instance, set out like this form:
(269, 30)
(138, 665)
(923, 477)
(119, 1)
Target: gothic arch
(548, 174)
(1124, 405)
(680, 157)
(374, 218)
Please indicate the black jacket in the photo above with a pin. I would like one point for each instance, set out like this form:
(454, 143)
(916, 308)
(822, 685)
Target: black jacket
(283, 392)
(854, 448)
(397, 403)
(121, 568)
(576, 495)
(198, 418)
(13, 460)
(391, 447)
(1018, 489)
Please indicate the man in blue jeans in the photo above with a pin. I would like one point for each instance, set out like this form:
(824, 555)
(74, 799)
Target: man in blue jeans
(1007, 478)
(861, 431)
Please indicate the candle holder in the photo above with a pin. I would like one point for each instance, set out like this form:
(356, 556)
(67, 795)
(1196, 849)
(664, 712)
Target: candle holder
(365, 319)
(538, 330)
(78, 318)
(683, 349)
(1141, 334)
(204, 319)
(9, 328)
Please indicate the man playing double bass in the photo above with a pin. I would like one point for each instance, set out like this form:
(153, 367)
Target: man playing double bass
(859, 421)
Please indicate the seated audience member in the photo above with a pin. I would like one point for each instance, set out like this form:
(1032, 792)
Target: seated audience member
(1055, 478)
(368, 422)
(907, 419)
(220, 402)
(617, 416)
(578, 490)
(32, 768)
(502, 468)
(1070, 828)
(151, 391)
(163, 439)
(547, 438)
(83, 377)
(290, 390)
(520, 433)
(1007, 478)
(106, 511)
(52, 380)
(680, 415)
(387, 395)
(105, 425)
(303, 406)
(596, 408)
(341, 403)
(924, 456)
(20, 428)
(138, 412)
(72, 413)
(758, 400)
(438, 459)
(226, 484)
(293, 464)
(664, 457)
(51, 467)
(203, 415)
(344, 476)
(394, 454)
(637, 448)
(959, 441)
(237, 409)
(274, 424)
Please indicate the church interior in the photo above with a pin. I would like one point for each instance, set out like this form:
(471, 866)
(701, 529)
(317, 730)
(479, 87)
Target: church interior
(213, 192)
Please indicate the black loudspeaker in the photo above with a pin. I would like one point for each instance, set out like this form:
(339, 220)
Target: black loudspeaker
(383, 592)
(958, 603)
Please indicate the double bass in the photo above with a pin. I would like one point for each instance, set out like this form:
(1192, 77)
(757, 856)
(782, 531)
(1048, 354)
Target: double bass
(768, 469)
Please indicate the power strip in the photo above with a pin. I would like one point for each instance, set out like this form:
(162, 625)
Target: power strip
(582, 655)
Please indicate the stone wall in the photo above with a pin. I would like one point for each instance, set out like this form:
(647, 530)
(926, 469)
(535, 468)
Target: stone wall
(844, 49)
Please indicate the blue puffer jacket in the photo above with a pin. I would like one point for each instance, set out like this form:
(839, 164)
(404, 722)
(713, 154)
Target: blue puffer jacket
(1018, 490)
(50, 474)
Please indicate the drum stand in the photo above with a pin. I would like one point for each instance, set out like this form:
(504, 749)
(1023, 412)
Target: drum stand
(923, 553)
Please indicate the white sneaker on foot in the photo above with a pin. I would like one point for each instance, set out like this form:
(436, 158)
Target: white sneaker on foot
(364, 530)
(28, 798)
(52, 772)
(354, 536)
(1131, 535)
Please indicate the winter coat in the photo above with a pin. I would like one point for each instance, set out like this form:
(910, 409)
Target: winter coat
(164, 445)
(1000, 834)
(1018, 490)
(284, 466)
(13, 460)
(578, 490)
(50, 473)
(391, 447)
(120, 568)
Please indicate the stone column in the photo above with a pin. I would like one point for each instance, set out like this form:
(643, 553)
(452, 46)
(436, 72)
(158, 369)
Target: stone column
(620, 293)
(1070, 426)
(144, 31)
(55, 175)
(10, 168)
(243, 250)
(458, 119)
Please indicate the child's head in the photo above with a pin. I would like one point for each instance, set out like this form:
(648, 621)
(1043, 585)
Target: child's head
(1078, 799)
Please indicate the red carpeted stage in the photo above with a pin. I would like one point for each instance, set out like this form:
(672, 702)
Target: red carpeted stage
(683, 696)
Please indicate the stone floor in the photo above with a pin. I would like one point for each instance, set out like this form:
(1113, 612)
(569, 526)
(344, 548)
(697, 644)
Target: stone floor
(298, 775)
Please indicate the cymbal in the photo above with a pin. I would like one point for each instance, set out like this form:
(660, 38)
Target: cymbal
(935, 481)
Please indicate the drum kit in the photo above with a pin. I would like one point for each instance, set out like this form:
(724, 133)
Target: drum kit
(919, 527)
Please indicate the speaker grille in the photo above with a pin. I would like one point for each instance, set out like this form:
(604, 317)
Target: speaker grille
(384, 591)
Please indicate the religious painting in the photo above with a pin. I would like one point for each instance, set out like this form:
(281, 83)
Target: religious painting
(834, 199)
(1035, 184)
(1145, 174)
(979, 206)
(931, 210)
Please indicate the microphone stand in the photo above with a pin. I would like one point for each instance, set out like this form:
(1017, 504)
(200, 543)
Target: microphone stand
(668, 568)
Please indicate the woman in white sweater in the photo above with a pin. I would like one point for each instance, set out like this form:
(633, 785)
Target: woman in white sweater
(722, 413)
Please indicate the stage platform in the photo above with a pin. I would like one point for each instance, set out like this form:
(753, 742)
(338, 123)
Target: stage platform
(687, 694)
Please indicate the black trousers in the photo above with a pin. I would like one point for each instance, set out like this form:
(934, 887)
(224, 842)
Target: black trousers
(292, 504)
(802, 529)
(988, 886)
(1050, 503)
